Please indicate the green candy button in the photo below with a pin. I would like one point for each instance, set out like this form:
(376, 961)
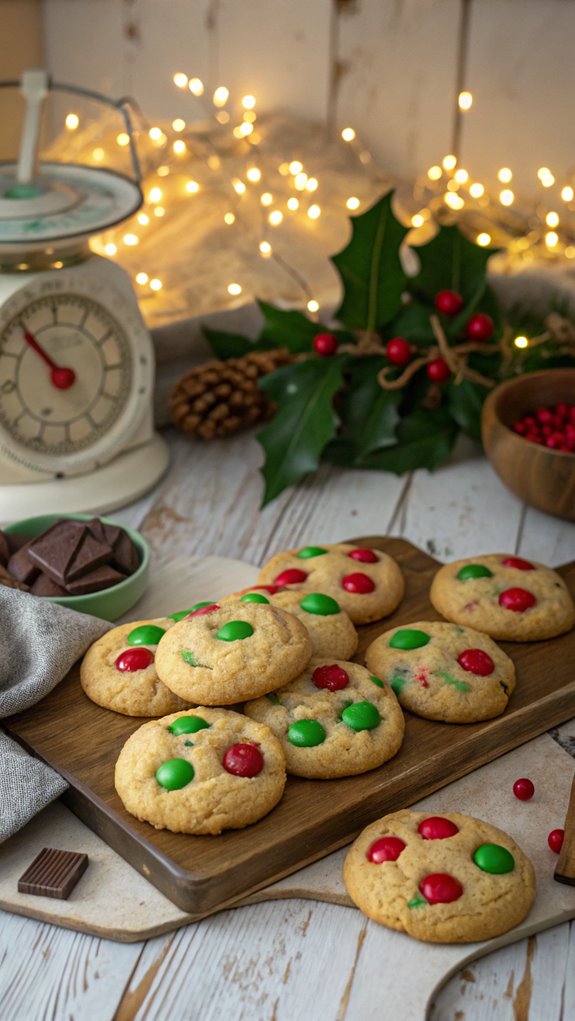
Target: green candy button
(473, 571)
(323, 606)
(306, 733)
(376, 680)
(175, 774)
(234, 630)
(183, 613)
(147, 634)
(409, 638)
(494, 859)
(188, 725)
(254, 597)
(361, 716)
(310, 551)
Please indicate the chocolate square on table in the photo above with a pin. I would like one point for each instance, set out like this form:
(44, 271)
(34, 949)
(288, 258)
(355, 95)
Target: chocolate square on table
(53, 551)
(53, 873)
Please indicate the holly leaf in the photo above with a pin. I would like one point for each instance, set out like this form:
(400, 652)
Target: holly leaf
(464, 402)
(304, 422)
(227, 345)
(287, 328)
(450, 262)
(412, 322)
(370, 268)
(368, 413)
(425, 439)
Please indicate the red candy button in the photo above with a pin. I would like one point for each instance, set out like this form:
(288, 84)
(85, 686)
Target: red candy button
(291, 576)
(555, 840)
(243, 760)
(521, 565)
(272, 589)
(385, 849)
(202, 610)
(435, 827)
(134, 659)
(330, 676)
(475, 661)
(358, 583)
(440, 888)
(524, 788)
(365, 556)
(517, 599)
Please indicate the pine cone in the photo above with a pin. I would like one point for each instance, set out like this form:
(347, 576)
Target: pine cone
(219, 398)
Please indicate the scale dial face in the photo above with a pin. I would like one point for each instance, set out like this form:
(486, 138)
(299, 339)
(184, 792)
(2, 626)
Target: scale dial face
(76, 373)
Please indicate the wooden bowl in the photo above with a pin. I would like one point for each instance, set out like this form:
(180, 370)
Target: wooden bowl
(541, 477)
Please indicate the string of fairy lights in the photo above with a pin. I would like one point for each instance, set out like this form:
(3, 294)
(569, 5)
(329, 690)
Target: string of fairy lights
(526, 229)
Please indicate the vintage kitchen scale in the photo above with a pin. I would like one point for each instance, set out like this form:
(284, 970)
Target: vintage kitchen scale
(76, 360)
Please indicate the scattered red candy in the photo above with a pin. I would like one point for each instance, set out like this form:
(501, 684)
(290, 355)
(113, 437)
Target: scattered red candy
(435, 827)
(480, 327)
(325, 344)
(365, 556)
(517, 599)
(517, 562)
(524, 789)
(291, 576)
(437, 370)
(551, 426)
(202, 610)
(385, 849)
(134, 659)
(358, 583)
(475, 661)
(398, 351)
(330, 676)
(449, 303)
(440, 888)
(555, 840)
(243, 760)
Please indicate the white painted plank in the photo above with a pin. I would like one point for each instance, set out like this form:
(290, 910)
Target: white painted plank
(522, 76)
(550, 540)
(398, 79)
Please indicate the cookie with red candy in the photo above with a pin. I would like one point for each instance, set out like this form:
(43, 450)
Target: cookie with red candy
(366, 583)
(445, 878)
(506, 596)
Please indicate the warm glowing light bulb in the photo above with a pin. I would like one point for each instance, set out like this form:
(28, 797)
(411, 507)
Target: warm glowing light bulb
(234, 289)
(144, 219)
(223, 117)
(567, 193)
(229, 218)
(248, 102)
(476, 190)
(483, 239)
(238, 186)
(275, 217)
(348, 134)
(237, 133)
(434, 173)
(155, 195)
(156, 284)
(72, 121)
(453, 200)
(505, 175)
(163, 171)
(295, 167)
(245, 129)
(156, 134)
(180, 80)
(314, 212)
(506, 197)
(142, 278)
(417, 220)
(267, 198)
(545, 176)
(254, 174)
(179, 146)
(131, 240)
(453, 185)
(449, 161)
(551, 239)
(461, 176)
(284, 169)
(110, 248)
(265, 248)
(220, 96)
(300, 181)
(352, 202)
(178, 124)
(196, 86)
(552, 219)
(570, 252)
(312, 305)
(192, 187)
(123, 138)
(250, 116)
(293, 204)
(521, 342)
(98, 154)
(465, 100)
(311, 184)
(159, 211)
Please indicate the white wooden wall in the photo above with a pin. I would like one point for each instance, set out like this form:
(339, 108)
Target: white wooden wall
(390, 68)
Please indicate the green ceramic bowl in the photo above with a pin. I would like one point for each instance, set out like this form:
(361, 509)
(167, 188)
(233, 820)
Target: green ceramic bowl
(110, 603)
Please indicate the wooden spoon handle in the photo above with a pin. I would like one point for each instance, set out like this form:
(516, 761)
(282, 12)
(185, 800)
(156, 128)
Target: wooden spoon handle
(565, 871)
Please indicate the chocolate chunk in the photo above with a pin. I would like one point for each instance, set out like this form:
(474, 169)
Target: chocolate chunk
(125, 556)
(45, 586)
(15, 540)
(53, 550)
(21, 567)
(100, 578)
(4, 549)
(53, 873)
(91, 553)
(10, 582)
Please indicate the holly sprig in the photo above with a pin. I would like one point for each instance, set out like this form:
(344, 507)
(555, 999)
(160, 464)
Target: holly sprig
(406, 367)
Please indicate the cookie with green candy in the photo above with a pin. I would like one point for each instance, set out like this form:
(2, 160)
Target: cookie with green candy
(334, 719)
(445, 878)
(201, 771)
(443, 671)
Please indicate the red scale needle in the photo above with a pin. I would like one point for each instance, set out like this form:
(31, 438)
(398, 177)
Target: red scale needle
(60, 376)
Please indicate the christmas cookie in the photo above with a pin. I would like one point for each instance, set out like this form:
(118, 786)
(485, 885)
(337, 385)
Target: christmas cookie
(505, 596)
(367, 583)
(329, 628)
(201, 771)
(220, 655)
(118, 671)
(443, 671)
(441, 879)
(333, 720)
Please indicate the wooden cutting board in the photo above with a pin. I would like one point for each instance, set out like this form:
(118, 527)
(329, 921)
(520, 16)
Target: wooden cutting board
(203, 874)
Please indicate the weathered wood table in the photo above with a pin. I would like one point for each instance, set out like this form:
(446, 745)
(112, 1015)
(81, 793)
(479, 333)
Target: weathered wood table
(293, 959)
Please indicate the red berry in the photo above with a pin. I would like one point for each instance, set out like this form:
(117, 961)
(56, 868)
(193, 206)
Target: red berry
(366, 556)
(358, 583)
(518, 563)
(440, 888)
(291, 576)
(134, 659)
(438, 370)
(475, 661)
(243, 760)
(517, 599)
(555, 840)
(435, 827)
(385, 849)
(480, 327)
(449, 303)
(398, 351)
(325, 344)
(330, 676)
(524, 789)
